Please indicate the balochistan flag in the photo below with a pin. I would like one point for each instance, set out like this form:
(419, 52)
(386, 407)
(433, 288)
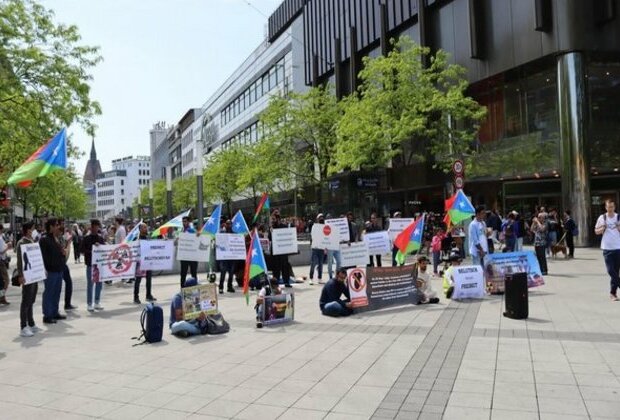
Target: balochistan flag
(254, 265)
(176, 223)
(239, 225)
(213, 222)
(409, 240)
(50, 157)
(133, 234)
(262, 205)
(459, 208)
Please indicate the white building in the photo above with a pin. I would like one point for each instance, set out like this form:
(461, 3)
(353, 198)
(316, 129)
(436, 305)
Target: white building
(138, 175)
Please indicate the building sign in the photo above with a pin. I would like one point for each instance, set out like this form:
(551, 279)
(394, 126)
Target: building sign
(367, 182)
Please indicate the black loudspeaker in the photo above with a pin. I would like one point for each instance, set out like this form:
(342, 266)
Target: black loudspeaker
(515, 297)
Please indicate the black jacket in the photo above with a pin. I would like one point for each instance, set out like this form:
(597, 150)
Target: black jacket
(53, 258)
(87, 247)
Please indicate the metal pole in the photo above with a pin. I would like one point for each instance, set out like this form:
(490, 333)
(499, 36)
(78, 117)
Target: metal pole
(152, 210)
(169, 191)
(199, 162)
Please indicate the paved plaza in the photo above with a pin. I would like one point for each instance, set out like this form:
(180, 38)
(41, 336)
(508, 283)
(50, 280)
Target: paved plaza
(455, 360)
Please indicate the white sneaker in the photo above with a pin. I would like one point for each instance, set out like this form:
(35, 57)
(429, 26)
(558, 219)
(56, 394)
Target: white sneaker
(90, 308)
(26, 332)
(311, 282)
(98, 307)
(35, 329)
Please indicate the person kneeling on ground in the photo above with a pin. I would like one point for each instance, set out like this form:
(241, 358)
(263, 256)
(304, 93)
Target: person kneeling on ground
(448, 279)
(270, 287)
(423, 282)
(178, 325)
(330, 302)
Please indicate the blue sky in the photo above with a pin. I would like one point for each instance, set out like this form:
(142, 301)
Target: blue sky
(161, 57)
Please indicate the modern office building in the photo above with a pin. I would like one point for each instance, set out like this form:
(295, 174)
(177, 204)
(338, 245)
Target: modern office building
(548, 72)
(118, 189)
(159, 150)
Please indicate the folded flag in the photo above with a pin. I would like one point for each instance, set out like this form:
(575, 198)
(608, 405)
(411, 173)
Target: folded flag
(459, 208)
(212, 227)
(262, 205)
(175, 223)
(239, 225)
(50, 157)
(254, 264)
(409, 240)
(134, 233)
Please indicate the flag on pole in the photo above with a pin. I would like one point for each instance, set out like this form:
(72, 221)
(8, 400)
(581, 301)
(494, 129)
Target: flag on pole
(239, 225)
(133, 234)
(50, 157)
(262, 205)
(175, 223)
(254, 264)
(459, 208)
(213, 222)
(409, 240)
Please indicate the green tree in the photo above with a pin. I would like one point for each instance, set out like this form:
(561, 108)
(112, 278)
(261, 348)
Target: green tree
(159, 197)
(404, 110)
(184, 194)
(221, 175)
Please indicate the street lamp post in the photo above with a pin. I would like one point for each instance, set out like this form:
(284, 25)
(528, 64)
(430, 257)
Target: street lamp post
(169, 191)
(151, 209)
(199, 168)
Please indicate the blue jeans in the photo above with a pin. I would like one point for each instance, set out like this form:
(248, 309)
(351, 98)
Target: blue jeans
(436, 260)
(179, 326)
(51, 294)
(612, 262)
(331, 255)
(89, 288)
(316, 260)
(336, 309)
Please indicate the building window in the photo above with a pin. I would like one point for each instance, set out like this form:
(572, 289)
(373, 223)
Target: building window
(122, 182)
(604, 102)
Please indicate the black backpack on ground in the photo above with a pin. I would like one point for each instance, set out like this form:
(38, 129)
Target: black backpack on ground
(216, 324)
(152, 324)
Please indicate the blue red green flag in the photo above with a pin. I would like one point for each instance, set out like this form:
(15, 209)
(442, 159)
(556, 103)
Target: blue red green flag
(254, 264)
(50, 157)
(262, 205)
(174, 223)
(458, 208)
(409, 240)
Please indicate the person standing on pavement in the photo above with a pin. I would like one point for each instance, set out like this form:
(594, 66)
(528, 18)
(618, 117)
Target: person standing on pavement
(4, 274)
(570, 228)
(478, 244)
(373, 226)
(66, 240)
(29, 291)
(54, 262)
(92, 239)
(539, 228)
(608, 225)
(397, 215)
(316, 256)
(227, 266)
(191, 265)
(139, 273)
(281, 267)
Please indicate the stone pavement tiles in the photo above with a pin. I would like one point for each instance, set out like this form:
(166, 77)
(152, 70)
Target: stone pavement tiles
(452, 360)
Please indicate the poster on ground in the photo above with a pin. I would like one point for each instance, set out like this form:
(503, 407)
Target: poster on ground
(378, 243)
(229, 246)
(325, 237)
(379, 287)
(198, 299)
(397, 225)
(341, 225)
(468, 282)
(284, 241)
(278, 309)
(354, 254)
(32, 263)
(115, 262)
(156, 255)
(191, 247)
(498, 265)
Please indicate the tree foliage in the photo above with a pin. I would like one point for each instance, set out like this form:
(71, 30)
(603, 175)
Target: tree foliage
(221, 174)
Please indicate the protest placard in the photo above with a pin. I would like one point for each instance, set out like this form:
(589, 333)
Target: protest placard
(156, 255)
(468, 282)
(325, 237)
(284, 241)
(354, 254)
(115, 262)
(497, 265)
(397, 225)
(378, 287)
(229, 246)
(264, 243)
(191, 247)
(341, 225)
(198, 299)
(32, 263)
(378, 243)
(278, 309)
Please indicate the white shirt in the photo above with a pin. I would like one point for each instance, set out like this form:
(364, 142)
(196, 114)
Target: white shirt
(611, 236)
(478, 236)
(3, 248)
(121, 233)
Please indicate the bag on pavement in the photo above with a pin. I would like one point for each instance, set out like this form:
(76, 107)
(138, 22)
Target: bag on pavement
(216, 324)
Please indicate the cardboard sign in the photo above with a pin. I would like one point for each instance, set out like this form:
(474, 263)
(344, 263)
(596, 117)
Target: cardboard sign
(193, 248)
(115, 262)
(468, 282)
(32, 263)
(497, 265)
(284, 241)
(378, 243)
(277, 309)
(229, 246)
(397, 225)
(341, 225)
(378, 287)
(156, 255)
(264, 243)
(199, 299)
(325, 237)
(354, 254)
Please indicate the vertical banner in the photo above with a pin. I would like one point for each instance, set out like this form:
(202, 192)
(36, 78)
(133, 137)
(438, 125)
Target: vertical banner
(191, 247)
(341, 225)
(284, 241)
(379, 287)
(199, 299)
(32, 263)
(115, 262)
(325, 237)
(156, 255)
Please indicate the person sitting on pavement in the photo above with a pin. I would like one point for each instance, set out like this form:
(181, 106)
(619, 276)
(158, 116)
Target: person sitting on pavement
(423, 282)
(331, 303)
(179, 326)
(269, 288)
(448, 280)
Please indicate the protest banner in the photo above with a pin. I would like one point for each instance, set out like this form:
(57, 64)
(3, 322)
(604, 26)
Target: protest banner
(378, 243)
(264, 243)
(229, 246)
(198, 299)
(378, 287)
(278, 309)
(468, 282)
(354, 254)
(156, 255)
(191, 247)
(284, 241)
(325, 237)
(32, 263)
(115, 262)
(341, 225)
(497, 265)
(397, 225)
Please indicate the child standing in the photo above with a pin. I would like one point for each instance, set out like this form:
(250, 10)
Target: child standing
(436, 248)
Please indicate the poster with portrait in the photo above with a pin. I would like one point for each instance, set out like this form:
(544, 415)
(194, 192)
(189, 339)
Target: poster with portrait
(198, 299)
(115, 262)
(32, 263)
(278, 309)
(498, 265)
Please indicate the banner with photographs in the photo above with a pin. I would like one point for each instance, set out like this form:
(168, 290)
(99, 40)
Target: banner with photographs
(498, 265)
(379, 287)
(198, 299)
(278, 309)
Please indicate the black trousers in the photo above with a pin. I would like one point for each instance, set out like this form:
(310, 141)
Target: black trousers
(372, 261)
(29, 295)
(66, 276)
(193, 269)
(281, 268)
(570, 243)
(542, 258)
(136, 285)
